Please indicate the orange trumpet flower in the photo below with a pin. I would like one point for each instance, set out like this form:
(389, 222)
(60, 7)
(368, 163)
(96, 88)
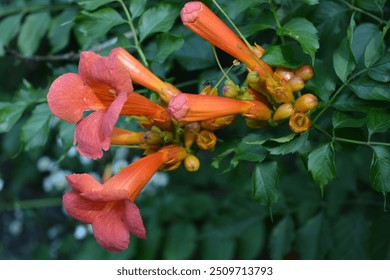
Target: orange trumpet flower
(104, 86)
(110, 206)
(201, 20)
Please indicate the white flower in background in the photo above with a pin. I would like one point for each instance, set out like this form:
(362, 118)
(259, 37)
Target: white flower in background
(159, 180)
(118, 165)
(80, 232)
(56, 180)
(1, 184)
(72, 152)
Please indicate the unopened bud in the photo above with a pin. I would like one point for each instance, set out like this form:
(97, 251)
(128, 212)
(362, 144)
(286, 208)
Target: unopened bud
(252, 77)
(190, 131)
(306, 72)
(283, 112)
(306, 103)
(152, 138)
(258, 50)
(296, 83)
(191, 163)
(206, 140)
(230, 90)
(299, 122)
(286, 73)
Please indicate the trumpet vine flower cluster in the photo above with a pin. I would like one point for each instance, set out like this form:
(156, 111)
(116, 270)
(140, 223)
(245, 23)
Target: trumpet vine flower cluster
(172, 130)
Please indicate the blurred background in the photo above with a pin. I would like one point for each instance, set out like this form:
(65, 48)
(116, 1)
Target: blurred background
(209, 214)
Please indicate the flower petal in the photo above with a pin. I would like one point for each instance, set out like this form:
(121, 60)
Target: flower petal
(83, 183)
(110, 118)
(133, 220)
(109, 229)
(87, 135)
(109, 71)
(69, 97)
(82, 209)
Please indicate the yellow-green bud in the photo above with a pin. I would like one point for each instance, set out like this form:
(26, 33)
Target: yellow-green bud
(306, 103)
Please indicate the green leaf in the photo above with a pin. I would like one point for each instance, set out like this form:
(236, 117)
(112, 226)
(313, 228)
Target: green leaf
(36, 129)
(157, 19)
(265, 182)
(374, 50)
(66, 134)
(343, 60)
(379, 238)
(373, 5)
(137, 7)
(288, 147)
(312, 2)
(304, 32)
(180, 242)
(96, 24)
(281, 239)
(235, 8)
(91, 5)
(378, 121)
(380, 71)
(280, 56)
(195, 54)
(322, 85)
(321, 164)
(314, 238)
(167, 44)
(267, 22)
(361, 38)
(369, 89)
(251, 241)
(380, 169)
(350, 246)
(10, 113)
(218, 248)
(33, 29)
(9, 27)
(340, 120)
(59, 32)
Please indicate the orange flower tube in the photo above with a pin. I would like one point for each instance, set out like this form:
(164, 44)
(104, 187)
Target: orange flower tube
(201, 20)
(193, 107)
(121, 136)
(143, 76)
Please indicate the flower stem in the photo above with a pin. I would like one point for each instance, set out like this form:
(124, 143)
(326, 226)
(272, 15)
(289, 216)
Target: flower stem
(279, 26)
(136, 41)
(357, 9)
(33, 203)
(351, 141)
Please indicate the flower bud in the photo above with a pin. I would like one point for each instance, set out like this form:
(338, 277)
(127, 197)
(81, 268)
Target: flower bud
(206, 140)
(306, 72)
(258, 50)
(285, 73)
(191, 163)
(230, 90)
(252, 77)
(152, 138)
(279, 89)
(306, 102)
(299, 122)
(296, 83)
(190, 131)
(283, 112)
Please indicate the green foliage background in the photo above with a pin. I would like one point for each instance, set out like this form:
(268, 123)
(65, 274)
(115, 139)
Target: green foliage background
(262, 194)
